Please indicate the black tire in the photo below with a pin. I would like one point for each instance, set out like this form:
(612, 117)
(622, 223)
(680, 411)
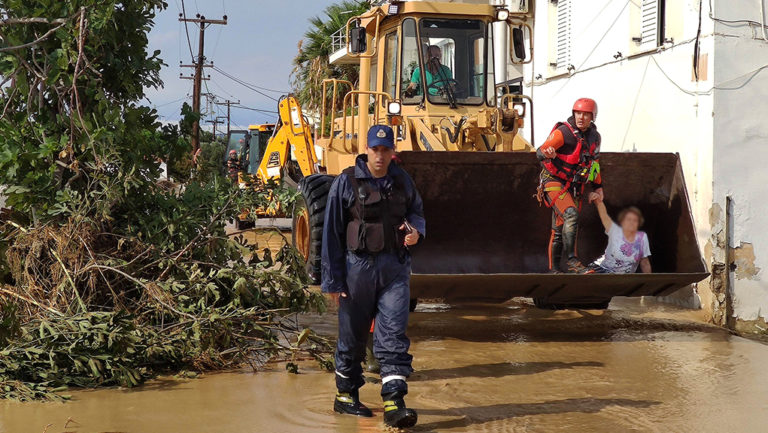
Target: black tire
(545, 304)
(308, 220)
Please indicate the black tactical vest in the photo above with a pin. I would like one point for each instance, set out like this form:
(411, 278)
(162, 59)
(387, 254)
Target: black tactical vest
(375, 216)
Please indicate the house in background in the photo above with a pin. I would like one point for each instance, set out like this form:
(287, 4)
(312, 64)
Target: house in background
(685, 76)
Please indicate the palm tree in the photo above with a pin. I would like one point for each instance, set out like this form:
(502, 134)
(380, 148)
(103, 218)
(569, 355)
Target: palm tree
(311, 64)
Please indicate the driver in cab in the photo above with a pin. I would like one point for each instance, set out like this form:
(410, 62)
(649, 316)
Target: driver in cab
(436, 74)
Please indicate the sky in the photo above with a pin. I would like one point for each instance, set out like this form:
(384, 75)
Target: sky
(256, 46)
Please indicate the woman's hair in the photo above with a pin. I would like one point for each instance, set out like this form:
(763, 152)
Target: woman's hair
(634, 210)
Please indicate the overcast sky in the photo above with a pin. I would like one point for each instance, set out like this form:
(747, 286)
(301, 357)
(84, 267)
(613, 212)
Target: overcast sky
(256, 46)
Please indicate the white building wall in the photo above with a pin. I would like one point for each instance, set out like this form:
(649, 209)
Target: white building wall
(647, 100)
(741, 151)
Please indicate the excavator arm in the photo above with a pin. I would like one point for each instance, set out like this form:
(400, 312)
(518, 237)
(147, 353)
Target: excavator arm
(291, 130)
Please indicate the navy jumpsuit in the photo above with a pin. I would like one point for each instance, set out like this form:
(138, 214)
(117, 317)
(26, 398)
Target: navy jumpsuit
(377, 286)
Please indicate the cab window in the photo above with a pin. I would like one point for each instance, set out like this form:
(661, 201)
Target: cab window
(389, 81)
(409, 63)
(454, 61)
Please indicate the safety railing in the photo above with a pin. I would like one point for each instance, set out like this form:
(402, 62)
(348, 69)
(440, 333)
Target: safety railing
(339, 40)
(331, 109)
(379, 97)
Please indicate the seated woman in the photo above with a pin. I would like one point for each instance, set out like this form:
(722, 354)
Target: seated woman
(627, 247)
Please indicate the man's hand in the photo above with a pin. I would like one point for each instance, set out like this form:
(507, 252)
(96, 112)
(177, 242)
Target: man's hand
(335, 297)
(549, 152)
(595, 197)
(412, 236)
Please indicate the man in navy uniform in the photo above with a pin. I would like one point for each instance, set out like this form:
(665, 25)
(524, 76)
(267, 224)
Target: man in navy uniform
(373, 215)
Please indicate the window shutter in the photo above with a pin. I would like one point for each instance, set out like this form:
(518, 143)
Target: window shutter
(563, 33)
(649, 24)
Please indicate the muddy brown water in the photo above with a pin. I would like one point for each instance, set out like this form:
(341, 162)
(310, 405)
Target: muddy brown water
(640, 366)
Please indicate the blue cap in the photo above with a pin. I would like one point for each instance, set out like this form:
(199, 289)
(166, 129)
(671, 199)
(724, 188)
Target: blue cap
(381, 135)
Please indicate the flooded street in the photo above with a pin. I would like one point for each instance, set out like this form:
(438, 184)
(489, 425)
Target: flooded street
(640, 366)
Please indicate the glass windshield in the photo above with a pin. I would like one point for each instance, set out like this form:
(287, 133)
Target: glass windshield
(453, 63)
(256, 147)
(236, 142)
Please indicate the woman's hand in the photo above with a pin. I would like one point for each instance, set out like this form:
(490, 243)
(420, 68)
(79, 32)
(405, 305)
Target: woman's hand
(595, 198)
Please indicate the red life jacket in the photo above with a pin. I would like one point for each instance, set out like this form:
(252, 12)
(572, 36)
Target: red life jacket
(571, 167)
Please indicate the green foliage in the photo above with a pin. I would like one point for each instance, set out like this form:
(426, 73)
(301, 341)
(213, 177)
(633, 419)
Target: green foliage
(117, 276)
(311, 65)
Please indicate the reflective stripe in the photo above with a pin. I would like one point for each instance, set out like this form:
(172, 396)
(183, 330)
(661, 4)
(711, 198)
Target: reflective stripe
(345, 377)
(390, 378)
(389, 405)
(345, 398)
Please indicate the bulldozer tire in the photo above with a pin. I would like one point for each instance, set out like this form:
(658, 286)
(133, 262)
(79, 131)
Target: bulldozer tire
(308, 220)
(544, 304)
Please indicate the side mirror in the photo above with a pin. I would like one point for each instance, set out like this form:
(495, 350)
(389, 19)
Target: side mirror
(521, 43)
(358, 40)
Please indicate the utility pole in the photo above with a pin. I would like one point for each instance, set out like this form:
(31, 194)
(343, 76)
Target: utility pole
(229, 105)
(215, 122)
(198, 75)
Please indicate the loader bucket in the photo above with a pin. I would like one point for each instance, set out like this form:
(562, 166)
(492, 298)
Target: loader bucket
(487, 236)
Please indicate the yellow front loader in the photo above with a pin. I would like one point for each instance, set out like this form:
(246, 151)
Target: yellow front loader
(427, 70)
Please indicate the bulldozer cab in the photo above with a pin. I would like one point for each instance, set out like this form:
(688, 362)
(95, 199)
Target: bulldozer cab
(426, 69)
(258, 137)
(237, 140)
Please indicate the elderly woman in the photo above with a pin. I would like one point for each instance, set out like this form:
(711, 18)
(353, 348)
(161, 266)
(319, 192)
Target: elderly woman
(627, 247)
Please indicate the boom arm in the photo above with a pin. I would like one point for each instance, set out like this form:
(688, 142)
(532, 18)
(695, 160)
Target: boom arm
(291, 130)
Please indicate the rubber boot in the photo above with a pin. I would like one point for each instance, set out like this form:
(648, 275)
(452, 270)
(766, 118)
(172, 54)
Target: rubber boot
(570, 231)
(371, 363)
(348, 403)
(395, 412)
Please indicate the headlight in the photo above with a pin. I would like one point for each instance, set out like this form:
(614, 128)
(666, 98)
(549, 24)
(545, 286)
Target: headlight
(394, 108)
(502, 14)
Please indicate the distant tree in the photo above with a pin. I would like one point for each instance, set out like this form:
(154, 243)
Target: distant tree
(311, 64)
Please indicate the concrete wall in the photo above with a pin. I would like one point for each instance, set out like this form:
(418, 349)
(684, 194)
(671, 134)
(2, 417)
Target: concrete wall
(648, 100)
(741, 160)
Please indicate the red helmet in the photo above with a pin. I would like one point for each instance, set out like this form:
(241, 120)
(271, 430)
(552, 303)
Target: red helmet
(587, 105)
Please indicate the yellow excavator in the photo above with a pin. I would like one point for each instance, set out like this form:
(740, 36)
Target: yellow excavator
(459, 137)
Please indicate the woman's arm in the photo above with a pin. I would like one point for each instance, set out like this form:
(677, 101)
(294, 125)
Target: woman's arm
(645, 265)
(604, 218)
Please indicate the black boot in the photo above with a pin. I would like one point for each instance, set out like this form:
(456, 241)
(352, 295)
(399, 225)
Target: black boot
(348, 403)
(556, 250)
(395, 412)
(371, 363)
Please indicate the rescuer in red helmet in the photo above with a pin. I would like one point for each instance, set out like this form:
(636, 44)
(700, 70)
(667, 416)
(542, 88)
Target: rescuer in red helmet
(570, 161)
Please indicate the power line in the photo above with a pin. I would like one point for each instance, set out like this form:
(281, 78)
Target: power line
(254, 109)
(172, 102)
(250, 86)
(186, 29)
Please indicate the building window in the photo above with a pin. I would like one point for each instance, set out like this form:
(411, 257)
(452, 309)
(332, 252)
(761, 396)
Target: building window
(649, 25)
(562, 37)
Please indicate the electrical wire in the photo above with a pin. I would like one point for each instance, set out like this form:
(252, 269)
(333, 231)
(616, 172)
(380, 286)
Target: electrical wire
(242, 107)
(761, 24)
(172, 102)
(186, 29)
(621, 12)
(258, 87)
(243, 83)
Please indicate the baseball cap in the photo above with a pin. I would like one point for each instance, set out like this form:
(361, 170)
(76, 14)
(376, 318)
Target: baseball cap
(381, 135)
